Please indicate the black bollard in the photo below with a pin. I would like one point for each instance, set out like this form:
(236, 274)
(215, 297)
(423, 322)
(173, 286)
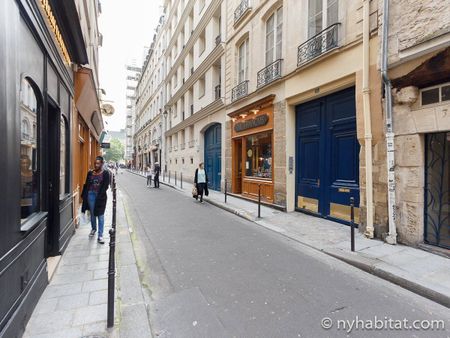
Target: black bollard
(352, 223)
(181, 180)
(175, 178)
(114, 191)
(259, 200)
(111, 277)
(226, 190)
(169, 176)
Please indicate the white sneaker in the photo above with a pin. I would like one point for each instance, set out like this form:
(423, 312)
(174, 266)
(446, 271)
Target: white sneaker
(100, 240)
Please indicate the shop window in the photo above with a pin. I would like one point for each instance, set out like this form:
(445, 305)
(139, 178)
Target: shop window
(259, 155)
(63, 182)
(29, 154)
(434, 95)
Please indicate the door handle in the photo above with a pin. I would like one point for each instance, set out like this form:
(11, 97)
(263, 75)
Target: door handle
(318, 182)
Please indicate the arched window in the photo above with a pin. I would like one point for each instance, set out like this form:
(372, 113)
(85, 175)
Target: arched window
(29, 154)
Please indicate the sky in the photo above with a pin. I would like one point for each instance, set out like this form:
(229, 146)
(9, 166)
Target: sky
(127, 27)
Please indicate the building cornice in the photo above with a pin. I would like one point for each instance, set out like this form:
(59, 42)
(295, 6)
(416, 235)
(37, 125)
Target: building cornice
(201, 114)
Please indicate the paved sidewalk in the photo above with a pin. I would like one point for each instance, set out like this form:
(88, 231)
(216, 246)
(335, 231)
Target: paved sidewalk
(417, 270)
(74, 304)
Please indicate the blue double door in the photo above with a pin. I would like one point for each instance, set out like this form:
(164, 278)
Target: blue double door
(327, 156)
(213, 155)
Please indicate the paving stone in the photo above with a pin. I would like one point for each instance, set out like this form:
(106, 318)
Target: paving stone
(73, 302)
(95, 285)
(97, 265)
(46, 305)
(95, 329)
(77, 253)
(55, 321)
(62, 269)
(100, 273)
(98, 297)
(75, 332)
(90, 314)
(80, 260)
(103, 257)
(68, 278)
(53, 291)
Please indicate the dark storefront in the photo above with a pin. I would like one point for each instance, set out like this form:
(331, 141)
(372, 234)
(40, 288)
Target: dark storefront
(39, 42)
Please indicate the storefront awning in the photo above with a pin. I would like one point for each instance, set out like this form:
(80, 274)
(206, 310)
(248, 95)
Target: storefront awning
(86, 100)
(259, 104)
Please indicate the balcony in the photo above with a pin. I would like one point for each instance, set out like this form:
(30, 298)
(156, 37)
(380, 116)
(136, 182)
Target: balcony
(218, 40)
(269, 74)
(240, 91)
(319, 44)
(192, 109)
(217, 92)
(239, 12)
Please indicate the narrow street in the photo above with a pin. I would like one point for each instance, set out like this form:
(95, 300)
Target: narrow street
(212, 274)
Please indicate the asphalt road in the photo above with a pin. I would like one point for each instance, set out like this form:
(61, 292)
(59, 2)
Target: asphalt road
(212, 274)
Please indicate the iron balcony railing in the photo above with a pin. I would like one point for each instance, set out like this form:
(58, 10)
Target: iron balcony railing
(239, 12)
(319, 44)
(192, 109)
(218, 40)
(240, 91)
(217, 91)
(270, 73)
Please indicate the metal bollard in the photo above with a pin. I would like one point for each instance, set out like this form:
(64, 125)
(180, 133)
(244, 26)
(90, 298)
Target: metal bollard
(111, 277)
(352, 223)
(226, 190)
(164, 176)
(175, 178)
(114, 191)
(181, 180)
(259, 200)
(169, 176)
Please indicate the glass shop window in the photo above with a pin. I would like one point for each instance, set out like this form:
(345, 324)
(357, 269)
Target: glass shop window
(29, 155)
(259, 155)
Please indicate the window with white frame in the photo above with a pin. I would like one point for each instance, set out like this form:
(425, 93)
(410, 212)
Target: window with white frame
(318, 18)
(435, 94)
(243, 61)
(274, 28)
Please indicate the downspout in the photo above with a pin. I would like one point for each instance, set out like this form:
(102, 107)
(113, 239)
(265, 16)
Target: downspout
(391, 238)
(367, 119)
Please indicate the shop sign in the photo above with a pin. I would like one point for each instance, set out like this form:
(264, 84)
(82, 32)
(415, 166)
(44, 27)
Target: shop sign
(55, 28)
(259, 121)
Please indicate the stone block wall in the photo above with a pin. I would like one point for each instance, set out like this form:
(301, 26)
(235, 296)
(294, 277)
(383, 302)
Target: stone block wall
(279, 151)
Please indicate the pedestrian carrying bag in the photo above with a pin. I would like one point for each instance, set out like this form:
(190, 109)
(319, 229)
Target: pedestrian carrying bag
(194, 192)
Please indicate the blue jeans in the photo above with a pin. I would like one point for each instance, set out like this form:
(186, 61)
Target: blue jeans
(92, 196)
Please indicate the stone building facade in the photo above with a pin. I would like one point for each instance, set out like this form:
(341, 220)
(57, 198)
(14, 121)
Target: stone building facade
(419, 68)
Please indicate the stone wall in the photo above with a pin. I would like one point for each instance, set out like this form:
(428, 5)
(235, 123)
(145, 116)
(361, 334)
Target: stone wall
(411, 123)
(279, 151)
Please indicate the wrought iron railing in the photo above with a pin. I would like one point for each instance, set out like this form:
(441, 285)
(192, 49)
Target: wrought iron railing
(239, 12)
(192, 109)
(321, 43)
(240, 91)
(270, 73)
(218, 40)
(217, 91)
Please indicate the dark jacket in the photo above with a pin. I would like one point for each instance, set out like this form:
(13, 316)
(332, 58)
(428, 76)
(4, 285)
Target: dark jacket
(207, 181)
(100, 202)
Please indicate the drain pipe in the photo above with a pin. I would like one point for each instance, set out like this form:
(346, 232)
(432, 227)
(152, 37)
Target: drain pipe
(367, 120)
(391, 237)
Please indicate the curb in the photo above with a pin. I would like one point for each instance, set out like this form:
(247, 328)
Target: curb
(363, 263)
(370, 266)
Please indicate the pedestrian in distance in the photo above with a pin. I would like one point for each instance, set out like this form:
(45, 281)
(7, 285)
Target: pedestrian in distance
(149, 176)
(156, 172)
(94, 197)
(201, 182)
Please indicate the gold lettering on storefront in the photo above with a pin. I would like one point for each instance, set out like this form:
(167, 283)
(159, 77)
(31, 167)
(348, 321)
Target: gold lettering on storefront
(55, 29)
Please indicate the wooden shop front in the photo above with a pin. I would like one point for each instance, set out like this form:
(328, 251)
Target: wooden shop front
(252, 150)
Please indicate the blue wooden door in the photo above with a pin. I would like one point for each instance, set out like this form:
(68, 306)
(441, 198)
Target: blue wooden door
(327, 155)
(213, 155)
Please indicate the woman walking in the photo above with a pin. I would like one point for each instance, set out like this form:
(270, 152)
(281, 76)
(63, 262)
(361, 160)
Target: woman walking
(201, 182)
(94, 197)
